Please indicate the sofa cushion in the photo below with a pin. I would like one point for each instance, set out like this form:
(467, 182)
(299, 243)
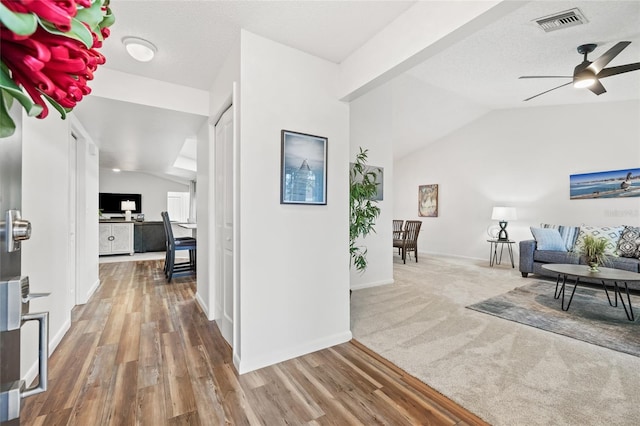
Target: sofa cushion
(629, 243)
(626, 263)
(548, 239)
(609, 233)
(569, 234)
(554, 256)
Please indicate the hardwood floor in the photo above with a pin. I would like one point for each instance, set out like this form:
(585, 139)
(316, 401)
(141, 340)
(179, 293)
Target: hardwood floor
(142, 352)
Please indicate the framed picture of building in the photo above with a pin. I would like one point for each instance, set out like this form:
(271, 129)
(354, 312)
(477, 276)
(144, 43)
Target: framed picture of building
(428, 200)
(303, 174)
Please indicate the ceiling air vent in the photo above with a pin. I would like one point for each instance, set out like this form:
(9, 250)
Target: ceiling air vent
(558, 21)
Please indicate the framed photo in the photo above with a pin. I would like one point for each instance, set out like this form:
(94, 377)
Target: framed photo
(303, 174)
(428, 200)
(608, 184)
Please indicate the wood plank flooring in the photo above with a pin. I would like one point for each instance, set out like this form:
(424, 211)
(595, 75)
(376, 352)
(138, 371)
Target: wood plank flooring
(142, 352)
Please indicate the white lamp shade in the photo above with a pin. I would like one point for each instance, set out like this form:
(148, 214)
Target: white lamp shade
(504, 213)
(128, 205)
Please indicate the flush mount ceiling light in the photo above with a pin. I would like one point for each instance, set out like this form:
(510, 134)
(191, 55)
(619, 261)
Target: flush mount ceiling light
(139, 49)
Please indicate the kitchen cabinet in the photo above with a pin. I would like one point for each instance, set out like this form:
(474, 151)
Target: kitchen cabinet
(116, 238)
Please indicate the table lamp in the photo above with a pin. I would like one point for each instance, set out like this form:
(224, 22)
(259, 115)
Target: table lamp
(127, 206)
(502, 215)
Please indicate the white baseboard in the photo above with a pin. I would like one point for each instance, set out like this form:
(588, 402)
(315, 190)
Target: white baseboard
(371, 284)
(203, 306)
(54, 341)
(246, 366)
(93, 289)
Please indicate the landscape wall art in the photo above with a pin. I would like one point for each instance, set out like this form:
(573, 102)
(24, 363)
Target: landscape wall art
(610, 184)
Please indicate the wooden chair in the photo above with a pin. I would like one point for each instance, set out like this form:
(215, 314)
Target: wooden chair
(172, 268)
(397, 230)
(409, 239)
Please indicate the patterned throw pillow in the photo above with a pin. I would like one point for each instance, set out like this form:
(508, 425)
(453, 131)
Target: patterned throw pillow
(609, 233)
(548, 239)
(569, 234)
(629, 243)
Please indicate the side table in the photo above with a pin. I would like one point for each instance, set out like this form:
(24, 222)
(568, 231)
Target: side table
(493, 252)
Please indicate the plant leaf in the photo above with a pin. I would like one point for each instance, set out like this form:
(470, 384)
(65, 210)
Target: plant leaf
(78, 31)
(7, 126)
(23, 24)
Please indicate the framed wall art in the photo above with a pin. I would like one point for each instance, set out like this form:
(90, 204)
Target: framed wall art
(303, 174)
(609, 184)
(428, 200)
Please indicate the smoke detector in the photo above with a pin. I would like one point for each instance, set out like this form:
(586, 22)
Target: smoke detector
(558, 21)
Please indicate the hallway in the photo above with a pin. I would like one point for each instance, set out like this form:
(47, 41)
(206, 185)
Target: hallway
(142, 352)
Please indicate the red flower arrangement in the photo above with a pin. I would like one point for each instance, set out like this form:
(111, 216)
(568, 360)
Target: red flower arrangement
(49, 50)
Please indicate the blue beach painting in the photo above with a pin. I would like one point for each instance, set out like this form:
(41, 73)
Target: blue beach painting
(610, 184)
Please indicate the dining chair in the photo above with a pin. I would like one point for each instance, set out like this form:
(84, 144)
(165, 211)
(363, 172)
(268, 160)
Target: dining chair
(397, 230)
(408, 242)
(171, 267)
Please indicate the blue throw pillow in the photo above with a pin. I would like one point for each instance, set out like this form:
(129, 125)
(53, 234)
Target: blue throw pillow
(548, 239)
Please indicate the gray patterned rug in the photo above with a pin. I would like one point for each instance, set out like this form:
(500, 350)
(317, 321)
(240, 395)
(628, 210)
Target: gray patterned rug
(589, 318)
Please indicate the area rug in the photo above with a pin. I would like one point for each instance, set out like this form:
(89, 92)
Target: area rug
(589, 318)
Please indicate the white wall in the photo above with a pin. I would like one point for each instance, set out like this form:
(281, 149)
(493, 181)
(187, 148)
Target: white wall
(370, 118)
(521, 158)
(45, 202)
(153, 189)
(294, 290)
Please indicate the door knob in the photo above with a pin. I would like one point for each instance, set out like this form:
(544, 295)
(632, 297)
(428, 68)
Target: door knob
(18, 230)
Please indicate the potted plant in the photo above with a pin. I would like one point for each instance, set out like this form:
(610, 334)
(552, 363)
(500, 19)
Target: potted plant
(593, 251)
(362, 207)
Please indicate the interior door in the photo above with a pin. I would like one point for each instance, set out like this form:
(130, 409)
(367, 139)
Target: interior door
(224, 224)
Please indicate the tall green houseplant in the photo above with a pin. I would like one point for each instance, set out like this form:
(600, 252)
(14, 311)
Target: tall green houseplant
(363, 208)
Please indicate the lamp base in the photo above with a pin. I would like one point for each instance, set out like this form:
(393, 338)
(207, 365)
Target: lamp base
(503, 235)
(127, 215)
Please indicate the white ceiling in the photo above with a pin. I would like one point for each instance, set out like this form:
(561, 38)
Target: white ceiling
(450, 89)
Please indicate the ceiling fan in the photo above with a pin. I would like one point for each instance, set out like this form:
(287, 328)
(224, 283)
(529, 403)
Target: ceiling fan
(588, 74)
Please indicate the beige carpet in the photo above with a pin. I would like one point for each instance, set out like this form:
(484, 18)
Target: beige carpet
(505, 372)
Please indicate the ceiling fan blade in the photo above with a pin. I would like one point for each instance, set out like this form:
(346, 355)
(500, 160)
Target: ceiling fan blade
(546, 76)
(535, 96)
(597, 65)
(597, 88)
(608, 72)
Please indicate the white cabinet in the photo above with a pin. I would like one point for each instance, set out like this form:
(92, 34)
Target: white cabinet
(116, 238)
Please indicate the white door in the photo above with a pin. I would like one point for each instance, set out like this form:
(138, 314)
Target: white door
(224, 224)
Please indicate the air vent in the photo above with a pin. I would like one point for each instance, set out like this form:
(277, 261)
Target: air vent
(558, 21)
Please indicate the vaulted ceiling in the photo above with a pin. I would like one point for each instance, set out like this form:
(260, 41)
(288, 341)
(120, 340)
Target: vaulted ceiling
(448, 90)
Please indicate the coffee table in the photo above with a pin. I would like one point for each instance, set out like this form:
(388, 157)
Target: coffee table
(616, 276)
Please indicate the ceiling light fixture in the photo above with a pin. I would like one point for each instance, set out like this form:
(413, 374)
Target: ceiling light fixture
(116, 170)
(139, 49)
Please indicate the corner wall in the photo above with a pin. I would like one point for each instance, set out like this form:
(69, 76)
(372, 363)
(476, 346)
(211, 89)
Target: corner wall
(370, 118)
(522, 158)
(294, 290)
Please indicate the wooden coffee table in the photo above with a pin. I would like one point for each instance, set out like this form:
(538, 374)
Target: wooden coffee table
(616, 276)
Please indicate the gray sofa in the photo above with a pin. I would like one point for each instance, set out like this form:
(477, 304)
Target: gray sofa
(532, 259)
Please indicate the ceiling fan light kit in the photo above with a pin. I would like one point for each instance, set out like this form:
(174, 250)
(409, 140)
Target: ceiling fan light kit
(588, 74)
